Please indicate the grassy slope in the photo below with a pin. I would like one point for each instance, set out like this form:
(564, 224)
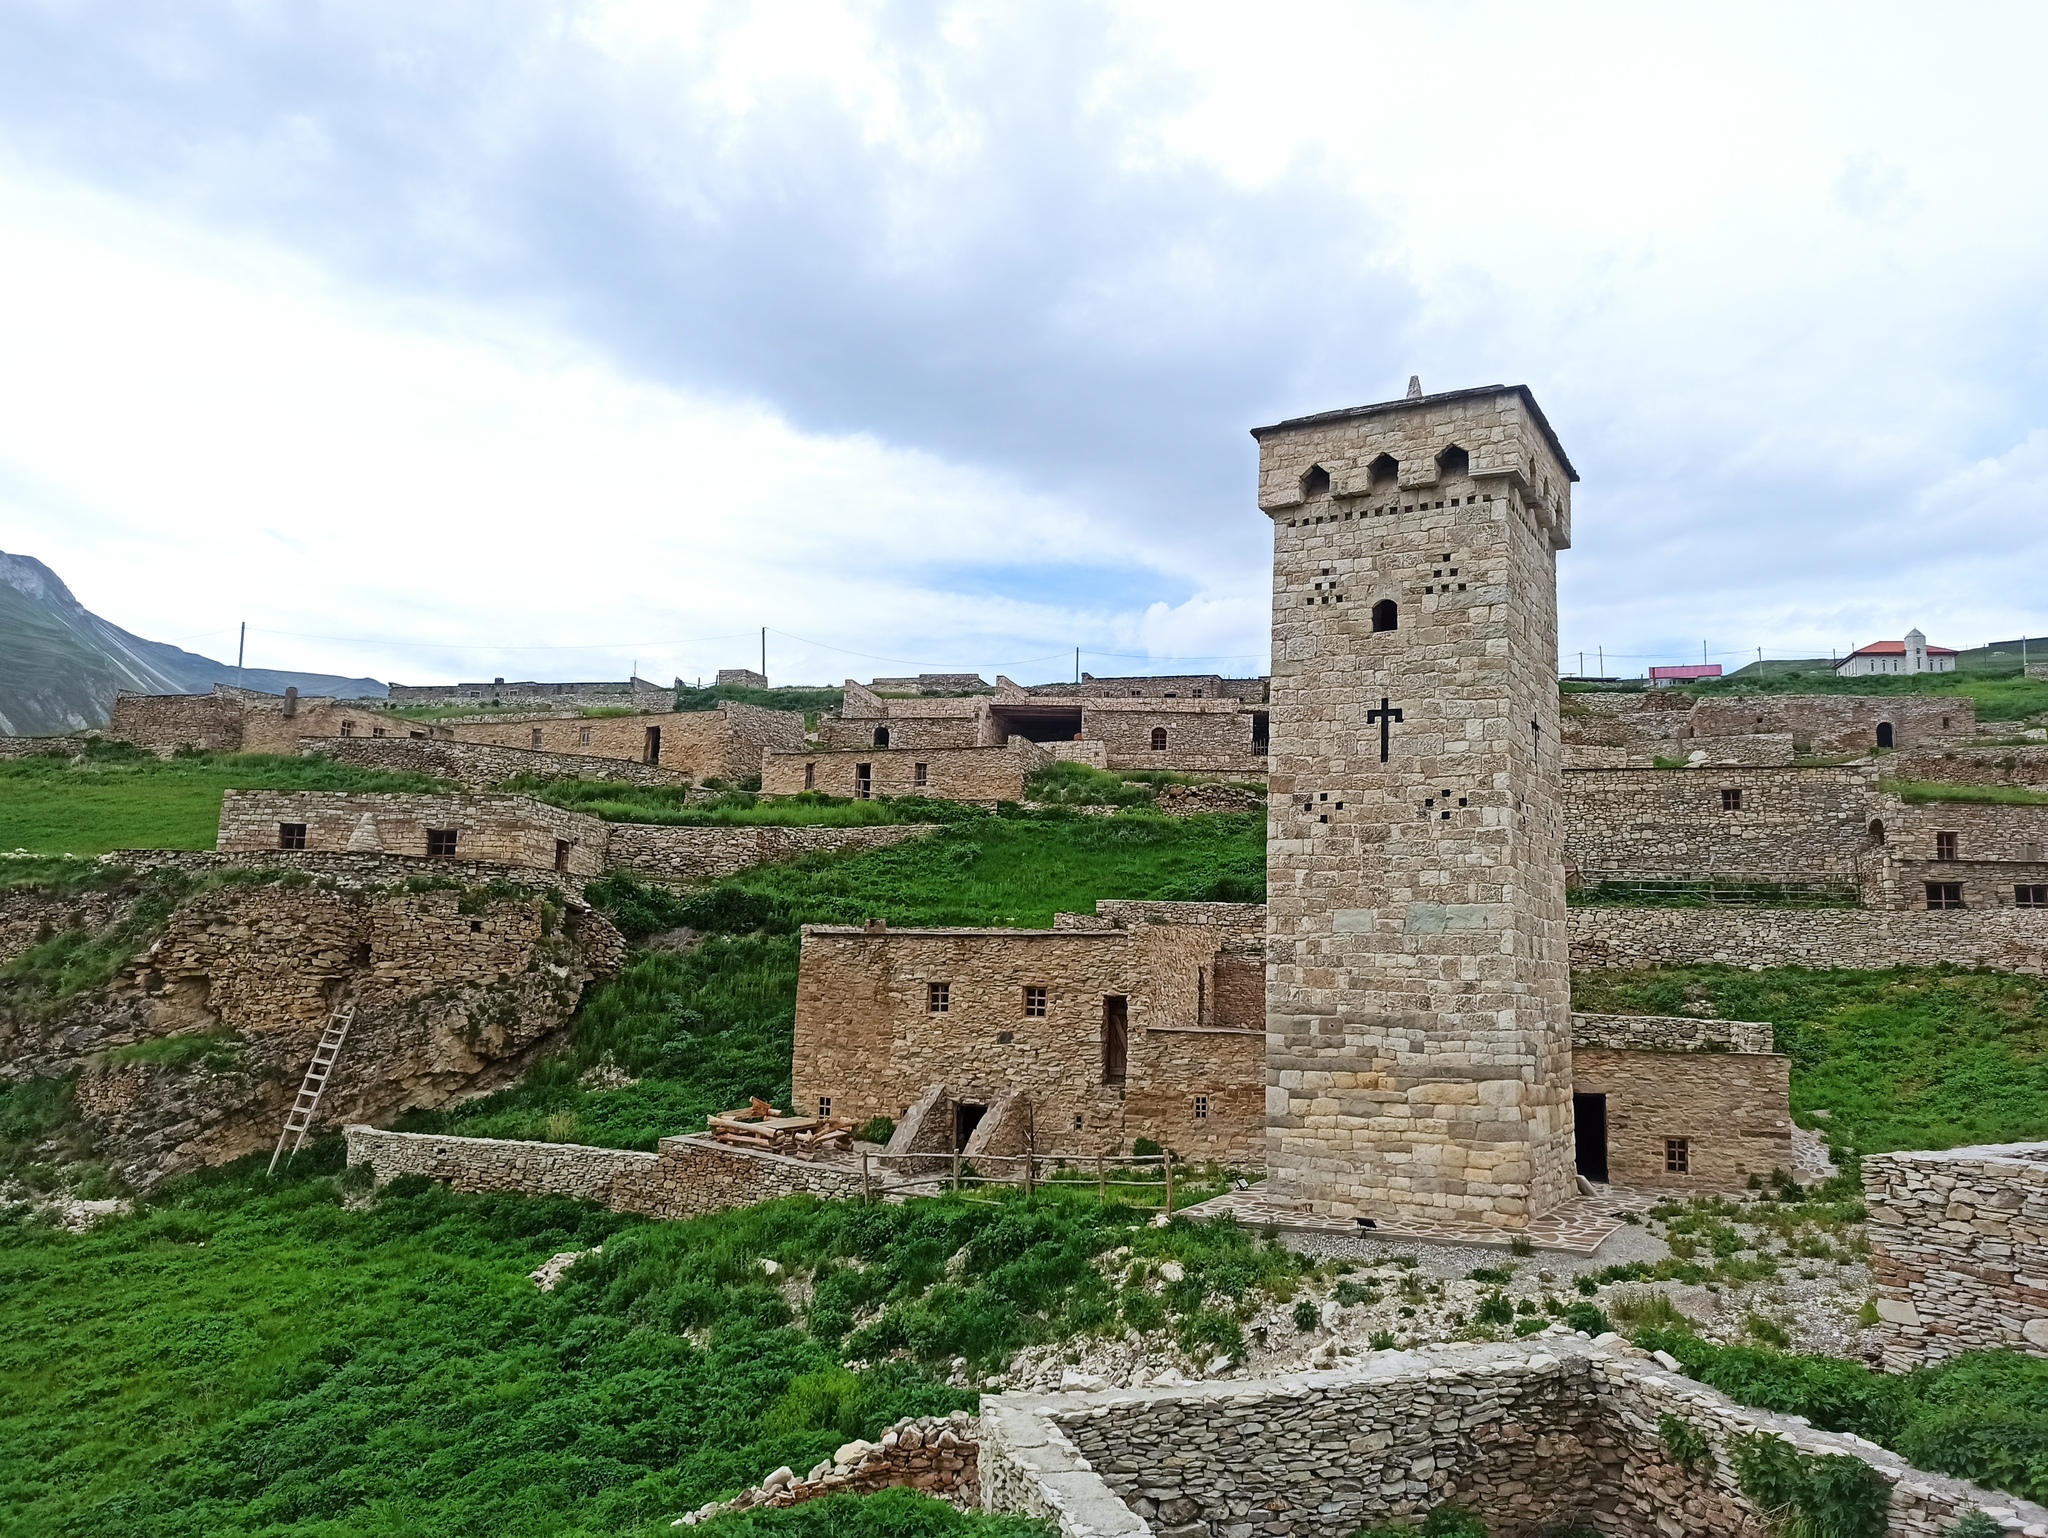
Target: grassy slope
(1911, 1058)
(126, 800)
(1996, 685)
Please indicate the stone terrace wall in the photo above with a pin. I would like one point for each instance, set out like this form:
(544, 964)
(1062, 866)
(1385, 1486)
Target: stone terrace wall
(2004, 940)
(1669, 1033)
(980, 776)
(665, 853)
(1959, 1250)
(1793, 824)
(478, 765)
(1838, 723)
(725, 743)
(684, 1177)
(1622, 719)
(1533, 1438)
(2024, 766)
(508, 830)
(344, 869)
(41, 747)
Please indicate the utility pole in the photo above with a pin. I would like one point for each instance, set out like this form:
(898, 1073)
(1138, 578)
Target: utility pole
(241, 646)
(1077, 665)
(1703, 654)
(1582, 664)
(764, 656)
(1602, 651)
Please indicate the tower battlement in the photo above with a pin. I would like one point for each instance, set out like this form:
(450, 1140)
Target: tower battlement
(1418, 1048)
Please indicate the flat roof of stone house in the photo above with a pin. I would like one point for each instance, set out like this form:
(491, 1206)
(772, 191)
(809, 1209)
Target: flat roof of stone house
(1387, 408)
(992, 931)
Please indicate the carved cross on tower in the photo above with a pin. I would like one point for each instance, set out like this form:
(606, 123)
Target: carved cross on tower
(1386, 716)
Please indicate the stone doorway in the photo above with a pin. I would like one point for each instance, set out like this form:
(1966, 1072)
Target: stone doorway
(966, 1118)
(1589, 1125)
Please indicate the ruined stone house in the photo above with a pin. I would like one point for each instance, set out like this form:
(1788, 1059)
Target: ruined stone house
(977, 776)
(514, 831)
(723, 744)
(641, 693)
(232, 720)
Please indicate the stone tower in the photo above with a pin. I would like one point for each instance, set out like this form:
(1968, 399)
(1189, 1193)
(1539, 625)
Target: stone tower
(1418, 1057)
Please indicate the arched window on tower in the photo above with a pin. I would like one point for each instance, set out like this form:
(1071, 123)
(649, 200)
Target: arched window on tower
(881, 736)
(1383, 472)
(1158, 739)
(1386, 615)
(1452, 462)
(1316, 483)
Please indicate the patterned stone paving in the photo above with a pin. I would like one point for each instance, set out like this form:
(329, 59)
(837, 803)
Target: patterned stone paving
(1578, 1227)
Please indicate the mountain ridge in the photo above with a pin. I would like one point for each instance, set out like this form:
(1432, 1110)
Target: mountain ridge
(61, 664)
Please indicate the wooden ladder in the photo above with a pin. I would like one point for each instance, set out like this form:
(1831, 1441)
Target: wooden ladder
(301, 1116)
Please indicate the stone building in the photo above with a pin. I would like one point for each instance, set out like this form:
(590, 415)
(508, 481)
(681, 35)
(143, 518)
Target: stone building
(1668, 1102)
(980, 776)
(723, 744)
(1143, 1020)
(737, 678)
(1952, 855)
(230, 720)
(1831, 724)
(1418, 1047)
(501, 830)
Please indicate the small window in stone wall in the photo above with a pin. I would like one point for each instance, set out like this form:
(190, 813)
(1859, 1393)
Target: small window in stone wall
(1731, 800)
(582, 736)
(1077, 1121)
(1201, 1108)
(1944, 846)
(441, 843)
(348, 728)
(920, 774)
(939, 998)
(536, 736)
(291, 835)
(1944, 894)
(863, 782)
(810, 776)
(1034, 1002)
(2030, 897)
(1677, 1156)
(824, 1105)
(1158, 739)
(375, 731)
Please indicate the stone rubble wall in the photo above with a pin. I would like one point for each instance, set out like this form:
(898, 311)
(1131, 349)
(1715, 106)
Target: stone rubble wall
(726, 743)
(1532, 1437)
(2004, 939)
(638, 691)
(935, 1455)
(684, 1177)
(1670, 1033)
(1827, 724)
(1755, 749)
(1792, 824)
(349, 869)
(1959, 1251)
(67, 745)
(2025, 766)
(979, 776)
(479, 766)
(681, 854)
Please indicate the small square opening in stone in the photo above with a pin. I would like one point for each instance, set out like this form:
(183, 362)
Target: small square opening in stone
(1677, 1156)
(939, 998)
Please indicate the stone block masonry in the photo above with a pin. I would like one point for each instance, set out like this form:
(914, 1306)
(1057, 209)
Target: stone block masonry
(677, 854)
(1828, 724)
(2024, 765)
(726, 743)
(2002, 939)
(1959, 1251)
(479, 766)
(1536, 1437)
(507, 830)
(1418, 1047)
(685, 1176)
(979, 776)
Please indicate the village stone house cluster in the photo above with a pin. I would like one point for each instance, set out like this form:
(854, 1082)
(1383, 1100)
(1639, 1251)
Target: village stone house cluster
(1616, 729)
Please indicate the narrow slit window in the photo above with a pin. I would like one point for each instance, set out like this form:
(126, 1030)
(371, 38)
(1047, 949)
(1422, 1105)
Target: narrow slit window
(921, 774)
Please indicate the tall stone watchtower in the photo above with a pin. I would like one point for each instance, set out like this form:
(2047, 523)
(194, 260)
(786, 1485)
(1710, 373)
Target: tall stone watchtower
(1418, 1058)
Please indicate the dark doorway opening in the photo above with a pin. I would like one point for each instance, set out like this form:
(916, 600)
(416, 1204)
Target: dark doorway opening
(1589, 1120)
(1039, 723)
(1262, 732)
(965, 1119)
(561, 854)
(1116, 1038)
(863, 782)
(1884, 734)
(881, 736)
(653, 744)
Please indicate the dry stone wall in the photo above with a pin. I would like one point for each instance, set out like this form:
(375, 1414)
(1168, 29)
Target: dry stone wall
(979, 776)
(1793, 825)
(1533, 1438)
(1669, 1033)
(2004, 940)
(680, 854)
(1959, 1251)
(934, 1455)
(684, 1177)
(726, 743)
(504, 830)
(2021, 765)
(1827, 724)
(1201, 736)
(479, 766)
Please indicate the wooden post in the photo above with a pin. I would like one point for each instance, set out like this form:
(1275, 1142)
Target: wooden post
(956, 1171)
(1101, 1192)
(865, 1194)
(1169, 1182)
(1030, 1151)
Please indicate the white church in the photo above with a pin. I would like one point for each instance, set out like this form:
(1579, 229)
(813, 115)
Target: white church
(1912, 655)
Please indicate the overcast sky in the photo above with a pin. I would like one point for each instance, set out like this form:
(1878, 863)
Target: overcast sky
(545, 340)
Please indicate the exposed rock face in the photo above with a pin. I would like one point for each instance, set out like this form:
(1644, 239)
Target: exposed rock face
(195, 1051)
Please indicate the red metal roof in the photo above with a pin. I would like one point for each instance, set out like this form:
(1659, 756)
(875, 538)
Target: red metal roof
(1897, 649)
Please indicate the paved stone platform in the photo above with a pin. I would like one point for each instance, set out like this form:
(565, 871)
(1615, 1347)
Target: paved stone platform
(1578, 1227)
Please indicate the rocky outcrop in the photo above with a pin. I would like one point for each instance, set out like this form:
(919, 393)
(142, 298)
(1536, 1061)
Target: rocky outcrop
(194, 1051)
(933, 1455)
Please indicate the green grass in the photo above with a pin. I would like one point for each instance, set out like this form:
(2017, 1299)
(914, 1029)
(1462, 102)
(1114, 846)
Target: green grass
(809, 701)
(251, 1357)
(705, 1031)
(2001, 693)
(120, 799)
(1910, 1058)
(1923, 792)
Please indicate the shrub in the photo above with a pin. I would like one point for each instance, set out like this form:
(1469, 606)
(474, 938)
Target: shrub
(1495, 1308)
(1306, 1316)
(1382, 1340)
(878, 1129)
(1808, 1495)
(1690, 1448)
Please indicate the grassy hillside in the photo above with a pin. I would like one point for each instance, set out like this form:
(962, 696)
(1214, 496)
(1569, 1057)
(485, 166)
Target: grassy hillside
(119, 798)
(1994, 682)
(1912, 1058)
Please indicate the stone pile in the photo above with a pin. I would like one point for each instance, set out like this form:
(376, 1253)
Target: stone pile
(1187, 800)
(936, 1455)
